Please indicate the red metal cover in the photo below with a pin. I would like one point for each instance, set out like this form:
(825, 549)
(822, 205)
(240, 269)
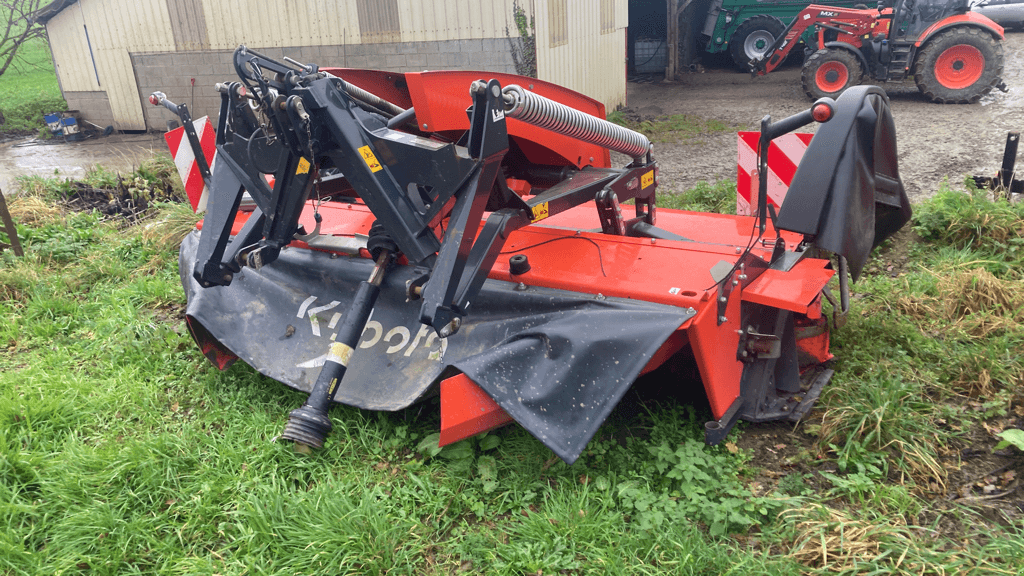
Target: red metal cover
(795, 290)
(440, 101)
(966, 18)
(467, 410)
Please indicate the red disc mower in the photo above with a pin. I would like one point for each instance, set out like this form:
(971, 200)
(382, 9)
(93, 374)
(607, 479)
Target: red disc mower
(377, 238)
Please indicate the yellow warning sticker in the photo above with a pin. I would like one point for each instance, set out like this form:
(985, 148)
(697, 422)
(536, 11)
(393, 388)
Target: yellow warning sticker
(540, 211)
(303, 166)
(370, 159)
(340, 353)
(646, 180)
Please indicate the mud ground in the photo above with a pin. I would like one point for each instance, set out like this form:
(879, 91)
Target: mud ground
(935, 141)
(55, 157)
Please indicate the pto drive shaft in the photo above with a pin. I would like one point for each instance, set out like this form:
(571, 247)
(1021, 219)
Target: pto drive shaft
(309, 424)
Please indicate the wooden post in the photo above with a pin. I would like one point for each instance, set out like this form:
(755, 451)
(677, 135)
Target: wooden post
(678, 40)
(672, 39)
(12, 232)
(684, 35)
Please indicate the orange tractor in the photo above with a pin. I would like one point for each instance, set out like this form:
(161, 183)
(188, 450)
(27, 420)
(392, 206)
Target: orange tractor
(955, 56)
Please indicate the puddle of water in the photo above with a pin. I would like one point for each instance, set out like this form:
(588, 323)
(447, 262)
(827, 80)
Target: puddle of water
(30, 157)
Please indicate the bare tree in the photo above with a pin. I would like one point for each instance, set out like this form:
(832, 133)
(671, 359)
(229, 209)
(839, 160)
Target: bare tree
(18, 25)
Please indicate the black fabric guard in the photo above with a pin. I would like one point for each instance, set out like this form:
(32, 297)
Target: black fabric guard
(847, 192)
(558, 362)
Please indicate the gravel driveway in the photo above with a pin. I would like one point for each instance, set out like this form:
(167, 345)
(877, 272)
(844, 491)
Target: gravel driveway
(935, 141)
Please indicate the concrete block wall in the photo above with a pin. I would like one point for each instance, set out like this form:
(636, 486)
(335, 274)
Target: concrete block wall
(171, 72)
(92, 106)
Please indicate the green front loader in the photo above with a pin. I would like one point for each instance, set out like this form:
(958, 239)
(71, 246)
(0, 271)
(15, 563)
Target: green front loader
(746, 28)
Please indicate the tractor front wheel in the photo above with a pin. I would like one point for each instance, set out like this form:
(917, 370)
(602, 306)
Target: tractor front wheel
(830, 71)
(959, 66)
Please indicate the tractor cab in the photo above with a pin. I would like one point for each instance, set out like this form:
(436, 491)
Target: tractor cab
(911, 18)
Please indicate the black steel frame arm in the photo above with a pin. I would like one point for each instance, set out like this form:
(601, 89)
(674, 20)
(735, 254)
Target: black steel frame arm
(293, 122)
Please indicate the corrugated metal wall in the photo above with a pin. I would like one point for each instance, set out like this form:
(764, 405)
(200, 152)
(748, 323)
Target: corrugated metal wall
(262, 24)
(326, 23)
(91, 41)
(577, 40)
(166, 25)
(592, 59)
(71, 51)
(426, 20)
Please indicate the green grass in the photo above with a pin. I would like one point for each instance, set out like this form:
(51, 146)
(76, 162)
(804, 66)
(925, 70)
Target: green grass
(676, 128)
(123, 451)
(719, 197)
(948, 330)
(29, 89)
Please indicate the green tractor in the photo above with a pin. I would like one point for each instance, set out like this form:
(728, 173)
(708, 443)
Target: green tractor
(747, 28)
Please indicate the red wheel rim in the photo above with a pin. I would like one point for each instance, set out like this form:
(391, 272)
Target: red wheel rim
(959, 66)
(832, 76)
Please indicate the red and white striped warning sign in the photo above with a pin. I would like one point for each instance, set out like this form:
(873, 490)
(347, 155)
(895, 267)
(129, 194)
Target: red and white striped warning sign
(186, 163)
(784, 154)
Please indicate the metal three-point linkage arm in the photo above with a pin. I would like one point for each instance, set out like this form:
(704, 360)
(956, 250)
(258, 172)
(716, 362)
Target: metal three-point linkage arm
(295, 123)
(289, 123)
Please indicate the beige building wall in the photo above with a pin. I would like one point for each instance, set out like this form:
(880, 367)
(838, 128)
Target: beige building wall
(334, 23)
(108, 49)
(581, 44)
(71, 53)
(92, 41)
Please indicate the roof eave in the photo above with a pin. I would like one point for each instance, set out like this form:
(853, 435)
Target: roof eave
(52, 9)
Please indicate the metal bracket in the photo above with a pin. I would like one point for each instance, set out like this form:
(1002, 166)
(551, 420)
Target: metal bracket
(716, 430)
(742, 273)
(840, 309)
(610, 212)
(757, 346)
(181, 111)
(1004, 180)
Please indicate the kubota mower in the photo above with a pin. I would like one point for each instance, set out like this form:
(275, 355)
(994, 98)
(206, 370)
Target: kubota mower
(954, 55)
(464, 234)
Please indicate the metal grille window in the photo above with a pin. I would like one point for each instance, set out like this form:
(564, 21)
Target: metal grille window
(378, 21)
(607, 16)
(188, 24)
(558, 23)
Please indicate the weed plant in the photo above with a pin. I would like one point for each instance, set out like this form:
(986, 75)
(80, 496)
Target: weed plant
(972, 220)
(122, 450)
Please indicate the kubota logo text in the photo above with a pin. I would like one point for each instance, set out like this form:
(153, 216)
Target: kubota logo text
(421, 340)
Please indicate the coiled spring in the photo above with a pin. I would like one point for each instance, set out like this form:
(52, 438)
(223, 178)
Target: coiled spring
(539, 111)
(368, 97)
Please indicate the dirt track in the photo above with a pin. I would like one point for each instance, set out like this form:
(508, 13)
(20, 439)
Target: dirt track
(935, 141)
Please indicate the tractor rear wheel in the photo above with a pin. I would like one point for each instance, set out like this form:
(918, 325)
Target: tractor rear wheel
(830, 71)
(753, 38)
(959, 65)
